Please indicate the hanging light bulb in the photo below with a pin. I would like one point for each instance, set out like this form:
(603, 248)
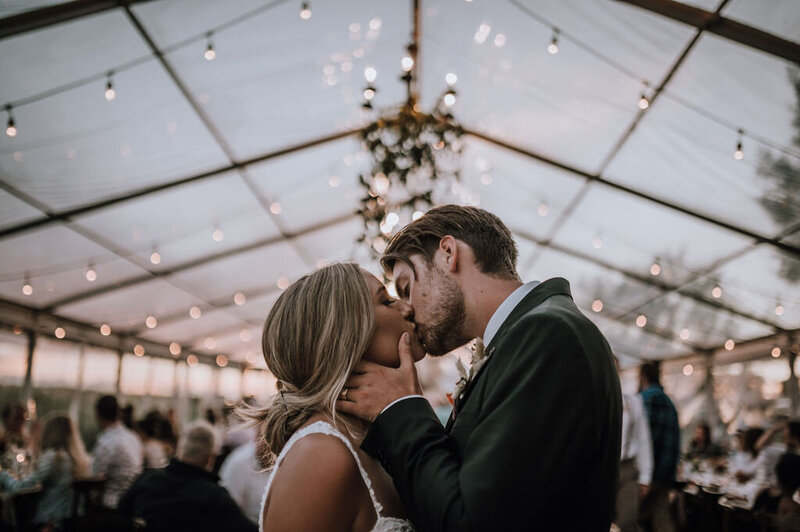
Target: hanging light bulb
(370, 74)
(11, 128)
(738, 153)
(451, 78)
(175, 348)
(155, 257)
(685, 333)
(407, 63)
(27, 287)
(729, 344)
(655, 269)
(450, 98)
(210, 53)
(91, 273)
(305, 11)
(369, 93)
(597, 305)
(60, 333)
(776, 352)
(716, 292)
(552, 48)
(105, 329)
(217, 235)
(644, 103)
(779, 310)
(110, 92)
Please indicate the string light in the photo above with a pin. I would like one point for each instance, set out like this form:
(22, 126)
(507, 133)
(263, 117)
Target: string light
(370, 74)
(275, 208)
(369, 93)
(597, 242)
(191, 360)
(91, 273)
(210, 53)
(11, 128)
(543, 209)
(641, 320)
(210, 342)
(597, 305)
(688, 369)
(27, 287)
(776, 352)
(239, 298)
(552, 48)
(195, 312)
(60, 333)
(716, 292)
(110, 93)
(155, 257)
(417, 215)
(684, 334)
(729, 344)
(738, 153)
(644, 103)
(499, 40)
(407, 63)
(655, 269)
(217, 235)
(105, 329)
(305, 11)
(334, 181)
(151, 322)
(222, 361)
(283, 283)
(779, 310)
(175, 348)
(451, 78)
(450, 98)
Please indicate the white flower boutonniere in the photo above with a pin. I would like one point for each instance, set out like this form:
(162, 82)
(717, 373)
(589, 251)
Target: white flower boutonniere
(479, 357)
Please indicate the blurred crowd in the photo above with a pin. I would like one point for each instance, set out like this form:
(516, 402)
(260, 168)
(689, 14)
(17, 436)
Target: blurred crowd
(142, 474)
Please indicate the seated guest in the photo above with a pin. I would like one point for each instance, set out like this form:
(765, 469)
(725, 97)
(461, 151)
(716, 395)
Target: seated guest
(744, 462)
(787, 471)
(60, 460)
(13, 437)
(769, 453)
(185, 495)
(155, 454)
(245, 479)
(701, 447)
(117, 456)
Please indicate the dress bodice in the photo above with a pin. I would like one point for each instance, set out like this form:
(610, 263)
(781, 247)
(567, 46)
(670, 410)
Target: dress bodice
(382, 524)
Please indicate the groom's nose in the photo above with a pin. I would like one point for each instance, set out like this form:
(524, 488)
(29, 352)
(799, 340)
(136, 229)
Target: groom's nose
(406, 310)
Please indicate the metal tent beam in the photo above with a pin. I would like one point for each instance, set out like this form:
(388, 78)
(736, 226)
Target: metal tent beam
(762, 239)
(723, 27)
(37, 19)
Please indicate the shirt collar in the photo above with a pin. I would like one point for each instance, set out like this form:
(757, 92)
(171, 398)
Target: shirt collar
(505, 309)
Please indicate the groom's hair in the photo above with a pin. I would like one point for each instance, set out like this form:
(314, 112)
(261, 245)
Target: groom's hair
(488, 237)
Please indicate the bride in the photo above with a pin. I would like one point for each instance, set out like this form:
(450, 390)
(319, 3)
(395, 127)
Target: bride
(320, 328)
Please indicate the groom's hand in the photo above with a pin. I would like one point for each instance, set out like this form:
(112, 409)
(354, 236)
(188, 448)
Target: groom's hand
(372, 387)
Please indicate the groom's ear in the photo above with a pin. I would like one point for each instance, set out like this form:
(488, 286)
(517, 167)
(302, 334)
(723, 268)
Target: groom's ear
(448, 246)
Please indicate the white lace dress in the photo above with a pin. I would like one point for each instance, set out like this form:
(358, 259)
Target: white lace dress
(383, 524)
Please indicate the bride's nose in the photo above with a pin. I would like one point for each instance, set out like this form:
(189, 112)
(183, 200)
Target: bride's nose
(406, 310)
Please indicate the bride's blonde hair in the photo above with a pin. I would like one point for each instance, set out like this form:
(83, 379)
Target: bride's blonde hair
(314, 336)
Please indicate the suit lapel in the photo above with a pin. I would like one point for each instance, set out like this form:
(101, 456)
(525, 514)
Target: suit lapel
(545, 290)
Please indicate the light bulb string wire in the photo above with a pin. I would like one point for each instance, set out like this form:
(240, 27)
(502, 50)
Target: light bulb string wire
(92, 78)
(619, 67)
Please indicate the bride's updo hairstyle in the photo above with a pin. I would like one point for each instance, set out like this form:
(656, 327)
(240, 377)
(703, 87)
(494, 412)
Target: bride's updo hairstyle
(314, 336)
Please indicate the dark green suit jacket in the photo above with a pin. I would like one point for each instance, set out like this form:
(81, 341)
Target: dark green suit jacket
(535, 441)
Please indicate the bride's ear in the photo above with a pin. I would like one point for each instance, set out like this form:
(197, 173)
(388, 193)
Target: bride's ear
(449, 248)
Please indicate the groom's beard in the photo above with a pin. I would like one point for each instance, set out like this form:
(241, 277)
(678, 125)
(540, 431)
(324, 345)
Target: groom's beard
(443, 331)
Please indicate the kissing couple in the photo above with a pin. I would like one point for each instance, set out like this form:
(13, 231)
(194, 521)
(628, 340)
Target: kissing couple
(533, 442)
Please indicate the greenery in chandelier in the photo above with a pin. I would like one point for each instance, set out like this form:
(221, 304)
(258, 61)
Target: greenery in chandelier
(414, 164)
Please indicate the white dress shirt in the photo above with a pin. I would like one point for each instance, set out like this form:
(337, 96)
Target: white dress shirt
(495, 322)
(117, 456)
(636, 441)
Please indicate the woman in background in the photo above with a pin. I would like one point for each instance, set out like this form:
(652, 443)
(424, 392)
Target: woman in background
(61, 458)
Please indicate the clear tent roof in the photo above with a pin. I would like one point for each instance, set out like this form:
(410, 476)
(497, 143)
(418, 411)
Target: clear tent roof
(195, 160)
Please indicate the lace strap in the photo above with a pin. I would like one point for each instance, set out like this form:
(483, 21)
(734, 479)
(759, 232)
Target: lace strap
(318, 427)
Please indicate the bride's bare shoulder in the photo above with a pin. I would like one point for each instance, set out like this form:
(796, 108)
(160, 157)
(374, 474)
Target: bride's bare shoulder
(314, 486)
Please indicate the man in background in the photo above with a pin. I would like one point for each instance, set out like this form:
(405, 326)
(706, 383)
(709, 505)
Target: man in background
(186, 495)
(117, 456)
(662, 417)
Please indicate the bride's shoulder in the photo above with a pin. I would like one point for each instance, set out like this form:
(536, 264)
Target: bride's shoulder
(319, 473)
(321, 460)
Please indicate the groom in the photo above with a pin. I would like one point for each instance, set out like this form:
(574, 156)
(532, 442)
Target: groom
(534, 439)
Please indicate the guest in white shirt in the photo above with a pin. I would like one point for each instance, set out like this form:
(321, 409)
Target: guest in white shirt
(636, 466)
(117, 456)
(245, 479)
(744, 462)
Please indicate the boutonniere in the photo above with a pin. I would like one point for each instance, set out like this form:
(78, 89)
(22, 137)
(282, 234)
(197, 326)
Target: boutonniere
(479, 357)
